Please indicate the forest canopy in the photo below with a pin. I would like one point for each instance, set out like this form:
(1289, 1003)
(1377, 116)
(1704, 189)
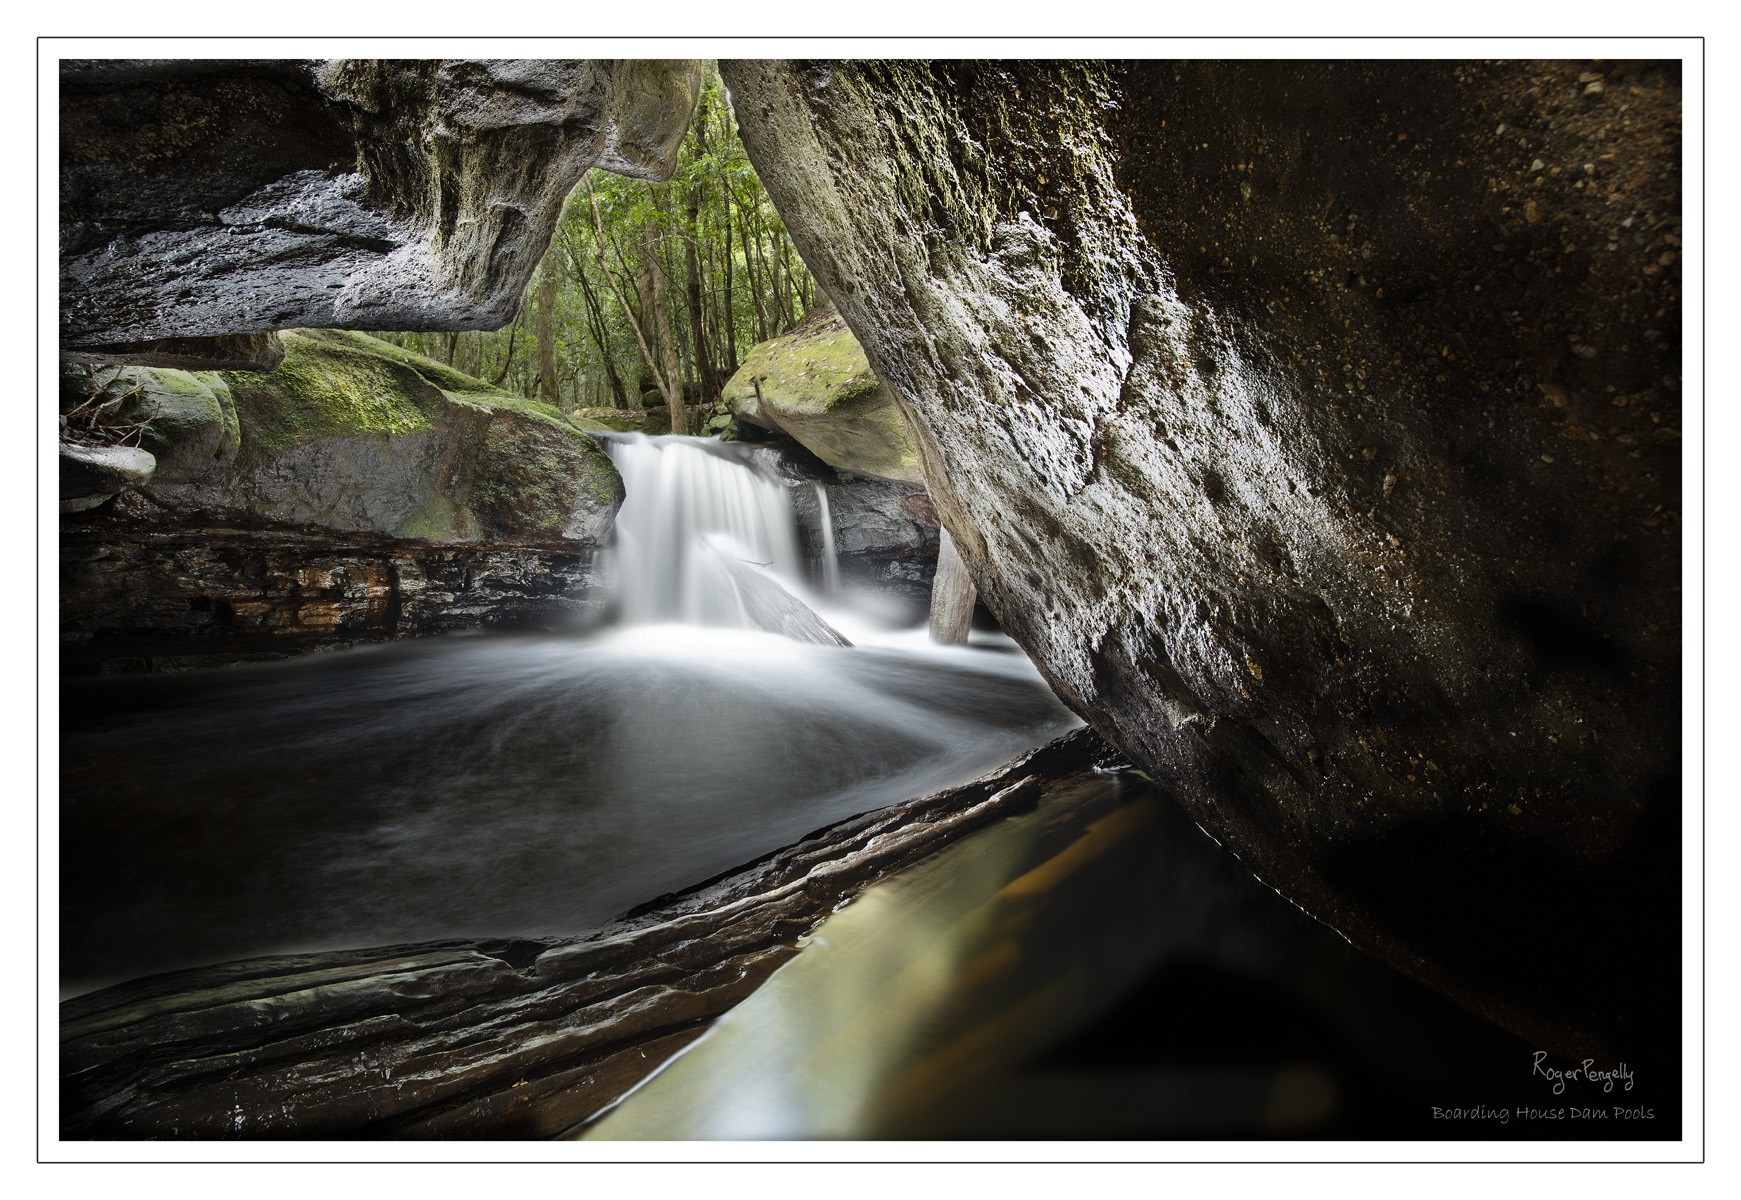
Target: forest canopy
(650, 294)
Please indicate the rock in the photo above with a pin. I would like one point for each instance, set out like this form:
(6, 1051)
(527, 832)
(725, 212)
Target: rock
(353, 434)
(770, 607)
(231, 352)
(1142, 396)
(90, 475)
(621, 420)
(188, 420)
(815, 385)
(205, 198)
(501, 1038)
(142, 594)
(885, 533)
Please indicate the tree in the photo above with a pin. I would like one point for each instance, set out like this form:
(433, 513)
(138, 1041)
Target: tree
(667, 282)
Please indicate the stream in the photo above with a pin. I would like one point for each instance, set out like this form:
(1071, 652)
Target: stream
(487, 785)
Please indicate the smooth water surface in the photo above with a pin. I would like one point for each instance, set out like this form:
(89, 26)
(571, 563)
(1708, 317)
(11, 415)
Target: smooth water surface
(490, 785)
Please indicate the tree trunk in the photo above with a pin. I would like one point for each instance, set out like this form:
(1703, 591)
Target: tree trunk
(669, 375)
(731, 318)
(508, 362)
(549, 380)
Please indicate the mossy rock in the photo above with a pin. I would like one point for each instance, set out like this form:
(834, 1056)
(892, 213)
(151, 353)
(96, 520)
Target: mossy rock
(185, 419)
(622, 420)
(354, 433)
(815, 385)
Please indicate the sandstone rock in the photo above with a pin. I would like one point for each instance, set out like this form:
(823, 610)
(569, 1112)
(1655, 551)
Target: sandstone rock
(1148, 316)
(815, 385)
(140, 594)
(208, 198)
(356, 435)
(90, 475)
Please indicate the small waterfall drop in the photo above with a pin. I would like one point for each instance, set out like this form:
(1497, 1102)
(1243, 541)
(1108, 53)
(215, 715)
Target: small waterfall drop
(830, 560)
(704, 539)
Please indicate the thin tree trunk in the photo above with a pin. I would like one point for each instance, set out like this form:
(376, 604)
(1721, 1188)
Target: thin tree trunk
(508, 362)
(731, 316)
(601, 338)
(670, 377)
(670, 387)
(549, 382)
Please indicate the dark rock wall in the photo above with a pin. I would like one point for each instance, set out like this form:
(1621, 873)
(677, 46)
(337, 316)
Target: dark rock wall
(1315, 426)
(139, 595)
(208, 198)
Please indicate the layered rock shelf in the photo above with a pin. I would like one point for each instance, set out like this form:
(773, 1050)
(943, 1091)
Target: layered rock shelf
(137, 595)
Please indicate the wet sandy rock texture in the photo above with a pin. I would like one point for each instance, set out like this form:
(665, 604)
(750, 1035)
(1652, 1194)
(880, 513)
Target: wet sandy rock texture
(1316, 428)
(207, 203)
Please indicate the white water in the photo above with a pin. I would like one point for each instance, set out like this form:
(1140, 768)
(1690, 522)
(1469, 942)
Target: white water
(830, 560)
(473, 786)
(697, 514)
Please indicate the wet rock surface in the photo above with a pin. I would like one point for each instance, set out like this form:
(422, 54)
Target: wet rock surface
(486, 1039)
(90, 475)
(141, 595)
(1315, 428)
(205, 199)
(885, 531)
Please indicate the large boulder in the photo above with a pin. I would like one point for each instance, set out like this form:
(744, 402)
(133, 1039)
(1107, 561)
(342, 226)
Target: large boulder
(202, 199)
(815, 385)
(1315, 427)
(356, 435)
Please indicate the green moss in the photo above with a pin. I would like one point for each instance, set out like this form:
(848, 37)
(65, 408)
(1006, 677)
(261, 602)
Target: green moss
(816, 385)
(512, 467)
(809, 371)
(622, 420)
(330, 384)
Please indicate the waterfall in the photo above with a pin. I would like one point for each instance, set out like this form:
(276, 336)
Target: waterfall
(830, 560)
(704, 539)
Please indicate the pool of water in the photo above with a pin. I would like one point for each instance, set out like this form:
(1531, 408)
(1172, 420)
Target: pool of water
(491, 785)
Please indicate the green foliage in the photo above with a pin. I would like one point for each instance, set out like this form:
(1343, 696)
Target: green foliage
(729, 278)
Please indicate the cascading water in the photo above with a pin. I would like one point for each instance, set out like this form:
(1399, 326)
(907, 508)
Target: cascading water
(697, 527)
(530, 785)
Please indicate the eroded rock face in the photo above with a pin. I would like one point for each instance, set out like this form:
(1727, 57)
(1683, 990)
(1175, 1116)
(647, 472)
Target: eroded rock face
(139, 594)
(202, 199)
(1315, 427)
